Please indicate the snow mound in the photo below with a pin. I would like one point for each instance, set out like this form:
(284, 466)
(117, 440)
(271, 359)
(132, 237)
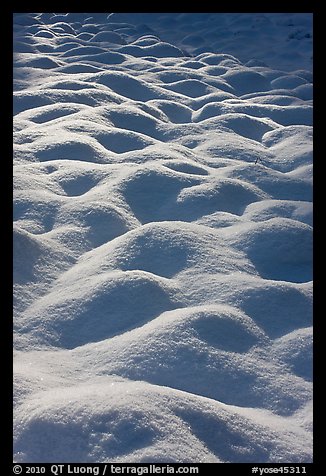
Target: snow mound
(281, 249)
(89, 422)
(163, 237)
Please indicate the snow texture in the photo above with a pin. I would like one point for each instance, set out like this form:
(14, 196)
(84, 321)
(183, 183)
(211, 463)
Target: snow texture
(162, 237)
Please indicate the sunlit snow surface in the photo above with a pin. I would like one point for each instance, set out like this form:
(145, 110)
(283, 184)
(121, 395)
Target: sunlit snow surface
(162, 237)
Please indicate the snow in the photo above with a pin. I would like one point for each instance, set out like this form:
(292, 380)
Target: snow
(163, 237)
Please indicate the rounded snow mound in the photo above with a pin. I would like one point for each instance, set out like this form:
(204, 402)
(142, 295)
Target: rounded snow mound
(281, 249)
(124, 420)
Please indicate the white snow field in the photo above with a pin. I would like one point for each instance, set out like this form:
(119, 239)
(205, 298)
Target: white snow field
(163, 237)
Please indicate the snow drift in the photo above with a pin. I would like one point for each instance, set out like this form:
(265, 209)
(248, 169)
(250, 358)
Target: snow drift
(162, 237)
